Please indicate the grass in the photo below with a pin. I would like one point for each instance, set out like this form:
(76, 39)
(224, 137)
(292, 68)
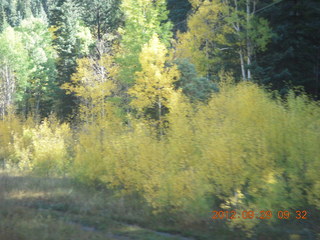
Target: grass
(37, 208)
(47, 208)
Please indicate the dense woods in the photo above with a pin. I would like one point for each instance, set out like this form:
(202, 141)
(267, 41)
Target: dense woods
(186, 107)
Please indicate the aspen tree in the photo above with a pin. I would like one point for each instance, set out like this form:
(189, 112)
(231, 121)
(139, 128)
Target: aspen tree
(143, 18)
(92, 84)
(223, 35)
(154, 84)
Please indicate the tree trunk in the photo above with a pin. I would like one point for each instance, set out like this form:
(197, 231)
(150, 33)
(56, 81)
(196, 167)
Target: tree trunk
(242, 65)
(99, 25)
(248, 42)
(159, 116)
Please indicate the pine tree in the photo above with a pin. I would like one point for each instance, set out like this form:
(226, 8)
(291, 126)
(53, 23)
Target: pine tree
(195, 87)
(103, 16)
(37, 9)
(24, 9)
(64, 21)
(10, 10)
(178, 14)
(293, 56)
(3, 21)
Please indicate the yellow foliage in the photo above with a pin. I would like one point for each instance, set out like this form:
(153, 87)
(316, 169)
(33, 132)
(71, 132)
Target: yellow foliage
(222, 34)
(52, 30)
(244, 149)
(5, 141)
(42, 148)
(92, 84)
(204, 29)
(154, 84)
(11, 126)
(50, 151)
(239, 148)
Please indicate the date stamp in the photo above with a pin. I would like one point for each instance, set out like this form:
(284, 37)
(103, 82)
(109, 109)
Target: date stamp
(300, 214)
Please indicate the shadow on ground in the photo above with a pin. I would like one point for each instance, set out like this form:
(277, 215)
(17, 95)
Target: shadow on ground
(33, 208)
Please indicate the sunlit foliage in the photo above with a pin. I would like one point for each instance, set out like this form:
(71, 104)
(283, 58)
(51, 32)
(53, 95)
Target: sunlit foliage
(14, 70)
(243, 149)
(165, 121)
(43, 148)
(143, 19)
(38, 96)
(223, 35)
(92, 84)
(154, 84)
(236, 150)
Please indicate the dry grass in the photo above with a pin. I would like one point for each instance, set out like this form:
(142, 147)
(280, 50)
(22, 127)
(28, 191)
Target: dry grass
(37, 208)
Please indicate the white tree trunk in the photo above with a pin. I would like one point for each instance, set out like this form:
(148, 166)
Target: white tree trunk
(7, 88)
(243, 71)
(248, 41)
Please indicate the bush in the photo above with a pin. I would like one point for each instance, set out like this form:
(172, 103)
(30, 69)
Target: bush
(43, 148)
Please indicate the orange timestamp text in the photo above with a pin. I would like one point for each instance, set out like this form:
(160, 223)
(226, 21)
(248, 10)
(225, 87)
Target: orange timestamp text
(300, 214)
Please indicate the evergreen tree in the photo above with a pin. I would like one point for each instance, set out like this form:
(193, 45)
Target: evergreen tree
(193, 86)
(2, 17)
(64, 21)
(101, 15)
(48, 5)
(10, 10)
(37, 9)
(23, 9)
(17, 10)
(293, 56)
(178, 13)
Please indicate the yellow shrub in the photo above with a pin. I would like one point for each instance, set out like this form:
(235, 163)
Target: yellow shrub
(50, 153)
(241, 141)
(42, 148)
(10, 126)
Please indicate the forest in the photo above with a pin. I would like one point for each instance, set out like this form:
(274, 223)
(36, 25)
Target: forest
(159, 119)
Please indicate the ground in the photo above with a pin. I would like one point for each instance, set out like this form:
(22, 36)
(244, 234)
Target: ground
(59, 208)
(43, 208)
